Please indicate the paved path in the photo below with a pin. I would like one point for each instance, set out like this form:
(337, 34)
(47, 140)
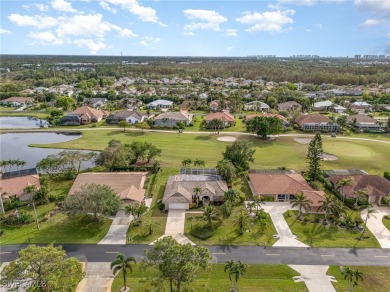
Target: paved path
(98, 278)
(286, 237)
(315, 278)
(374, 223)
(119, 226)
(175, 226)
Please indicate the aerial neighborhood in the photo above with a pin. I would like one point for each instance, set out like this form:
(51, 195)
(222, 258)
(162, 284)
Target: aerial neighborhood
(207, 162)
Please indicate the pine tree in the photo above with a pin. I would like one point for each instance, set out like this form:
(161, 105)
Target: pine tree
(314, 156)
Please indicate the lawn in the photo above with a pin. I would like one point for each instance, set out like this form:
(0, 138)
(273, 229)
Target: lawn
(283, 151)
(318, 235)
(11, 113)
(257, 278)
(226, 231)
(375, 279)
(58, 229)
(386, 222)
(140, 234)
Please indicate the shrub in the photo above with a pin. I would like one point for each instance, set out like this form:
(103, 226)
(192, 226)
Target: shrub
(23, 218)
(387, 217)
(202, 231)
(160, 205)
(1, 232)
(268, 198)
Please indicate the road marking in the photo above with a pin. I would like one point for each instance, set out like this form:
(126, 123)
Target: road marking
(327, 255)
(218, 253)
(112, 251)
(381, 256)
(272, 254)
(5, 252)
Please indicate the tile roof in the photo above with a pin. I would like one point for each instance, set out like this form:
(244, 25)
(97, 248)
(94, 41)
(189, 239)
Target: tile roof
(361, 119)
(127, 185)
(125, 114)
(224, 116)
(312, 119)
(316, 197)
(18, 99)
(89, 111)
(376, 185)
(16, 185)
(288, 104)
(249, 117)
(177, 116)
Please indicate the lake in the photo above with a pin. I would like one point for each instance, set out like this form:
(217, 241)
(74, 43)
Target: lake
(22, 123)
(15, 146)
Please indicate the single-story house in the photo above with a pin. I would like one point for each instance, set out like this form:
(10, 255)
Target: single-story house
(284, 187)
(171, 119)
(15, 186)
(365, 123)
(18, 101)
(219, 105)
(377, 186)
(228, 119)
(83, 115)
(360, 107)
(95, 102)
(129, 186)
(132, 117)
(256, 106)
(160, 104)
(339, 109)
(268, 115)
(325, 105)
(289, 106)
(317, 122)
(179, 192)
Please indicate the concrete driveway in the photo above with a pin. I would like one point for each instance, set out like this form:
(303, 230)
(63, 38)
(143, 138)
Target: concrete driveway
(374, 223)
(118, 229)
(286, 237)
(315, 278)
(98, 278)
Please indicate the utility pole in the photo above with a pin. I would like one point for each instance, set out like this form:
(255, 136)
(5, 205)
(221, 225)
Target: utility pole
(35, 212)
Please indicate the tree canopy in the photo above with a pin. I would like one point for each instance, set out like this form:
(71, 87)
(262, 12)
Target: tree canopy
(264, 126)
(314, 156)
(239, 154)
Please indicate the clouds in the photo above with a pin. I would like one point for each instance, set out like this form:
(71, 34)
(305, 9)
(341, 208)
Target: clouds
(271, 21)
(93, 45)
(148, 41)
(231, 32)
(203, 19)
(35, 21)
(46, 38)
(63, 6)
(4, 31)
(379, 10)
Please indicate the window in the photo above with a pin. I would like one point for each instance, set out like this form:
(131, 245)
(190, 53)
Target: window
(281, 197)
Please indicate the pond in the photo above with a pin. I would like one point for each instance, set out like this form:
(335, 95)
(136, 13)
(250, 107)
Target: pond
(15, 146)
(22, 123)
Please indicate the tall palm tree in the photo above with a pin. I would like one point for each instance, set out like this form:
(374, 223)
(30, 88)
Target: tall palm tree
(345, 182)
(235, 269)
(326, 205)
(197, 191)
(301, 201)
(232, 196)
(242, 221)
(257, 201)
(360, 194)
(369, 211)
(226, 209)
(210, 213)
(357, 276)
(124, 265)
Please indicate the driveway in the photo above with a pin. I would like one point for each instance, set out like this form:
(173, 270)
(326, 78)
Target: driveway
(315, 278)
(286, 237)
(98, 278)
(118, 229)
(374, 223)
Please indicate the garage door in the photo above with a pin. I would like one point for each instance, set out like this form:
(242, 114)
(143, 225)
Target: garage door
(182, 206)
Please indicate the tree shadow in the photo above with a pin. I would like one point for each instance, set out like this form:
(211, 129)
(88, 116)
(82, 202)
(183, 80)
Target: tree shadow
(203, 137)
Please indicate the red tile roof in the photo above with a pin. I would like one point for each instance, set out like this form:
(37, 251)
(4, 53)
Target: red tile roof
(15, 186)
(268, 115)
(224, 116)
(89, 111)
(312, 118)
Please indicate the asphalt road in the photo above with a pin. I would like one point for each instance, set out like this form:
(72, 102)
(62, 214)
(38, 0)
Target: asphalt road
(220, 254)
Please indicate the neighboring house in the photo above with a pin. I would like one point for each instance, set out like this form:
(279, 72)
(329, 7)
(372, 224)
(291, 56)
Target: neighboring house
(325, 105)
(15, 186)
(317, 122)
(179, 192)
(268, 115)
(83, 115)
(171, 119)
(284, 187)
(377, 186)
(160, 104)
(361, 107)
(354, 92)
(129, 186)
(339, 109)
(132, 117)
(289, 106)
(228, 119)
(219, 105)
(365, 123)
(95, 102)
(256, 106)
(18, 101)
(337, 92)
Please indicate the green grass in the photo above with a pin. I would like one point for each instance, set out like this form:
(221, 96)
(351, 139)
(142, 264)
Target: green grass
(283, 151)
(318, 235)
(11, 113)
(226, 231)
(241, 184)
(375, 279)
(140, 234)
(157, 189)
(386, 222)
(58, 229)
(257, 278)
(238, 127)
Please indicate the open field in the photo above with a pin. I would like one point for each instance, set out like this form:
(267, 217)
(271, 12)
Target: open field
(256, 278)
(11, 113)
(375, 279)
(318, 235)
(283, 151)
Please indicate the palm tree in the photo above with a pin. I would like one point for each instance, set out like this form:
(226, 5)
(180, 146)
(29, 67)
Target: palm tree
(198, 162)
(250, 206)
(197, 191)
(124, 265)
(360, 194)
(150, 224)
(327, 205)
(345, 182)
(258, 204)
(242, 221)
(232, 196)
(235, 269)
(352, 276)
(186, 162)
(301, 201)
(226, 209)
(210, 213)
(358, 276)
(369, 211)
(229, 266)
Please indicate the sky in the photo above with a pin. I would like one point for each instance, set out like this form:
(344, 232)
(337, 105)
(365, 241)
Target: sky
(195, 28)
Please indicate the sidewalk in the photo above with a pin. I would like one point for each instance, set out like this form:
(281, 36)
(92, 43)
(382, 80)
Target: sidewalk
(374, 223)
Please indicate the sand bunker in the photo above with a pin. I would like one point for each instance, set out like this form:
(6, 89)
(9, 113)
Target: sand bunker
(329, 157)
(227, 139)
(302, 140)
